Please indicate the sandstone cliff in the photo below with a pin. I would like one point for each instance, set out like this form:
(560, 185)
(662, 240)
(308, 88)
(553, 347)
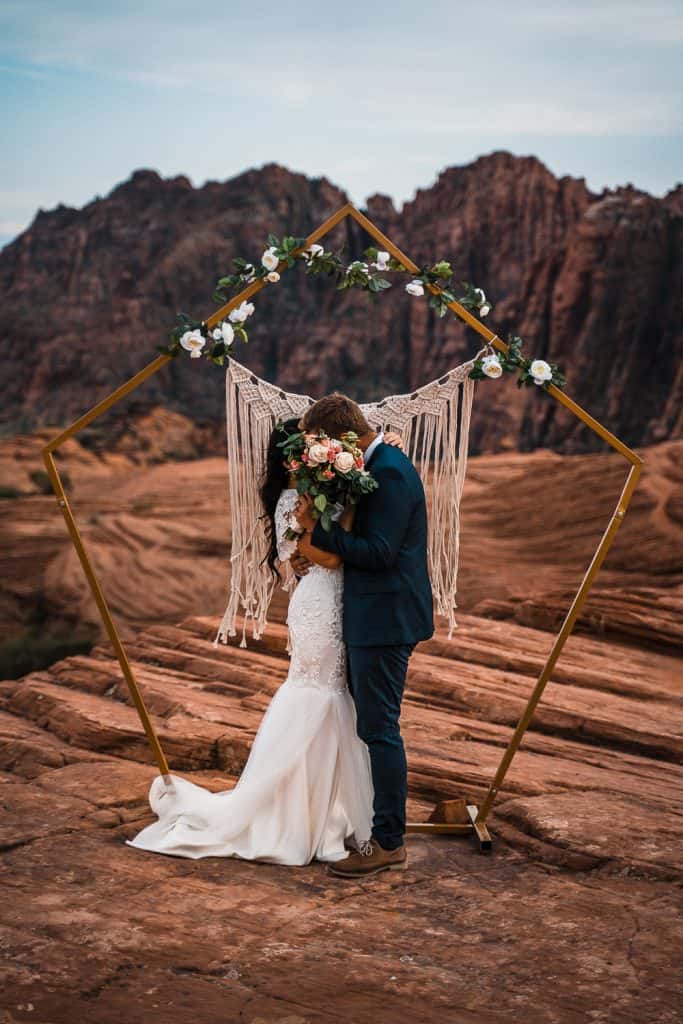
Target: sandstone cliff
(593, 282)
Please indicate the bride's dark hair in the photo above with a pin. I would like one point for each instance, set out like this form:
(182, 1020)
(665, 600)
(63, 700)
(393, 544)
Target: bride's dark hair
(274, 480)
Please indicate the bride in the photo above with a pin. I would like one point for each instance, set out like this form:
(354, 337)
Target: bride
(306, 789)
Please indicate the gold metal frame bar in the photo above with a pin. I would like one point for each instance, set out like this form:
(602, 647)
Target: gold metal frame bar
(479, 815)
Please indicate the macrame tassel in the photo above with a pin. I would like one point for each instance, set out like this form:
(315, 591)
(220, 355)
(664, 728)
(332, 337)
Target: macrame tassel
(253, 407)
(434, 422)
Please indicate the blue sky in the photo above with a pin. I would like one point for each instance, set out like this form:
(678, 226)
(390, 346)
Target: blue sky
(376, 96)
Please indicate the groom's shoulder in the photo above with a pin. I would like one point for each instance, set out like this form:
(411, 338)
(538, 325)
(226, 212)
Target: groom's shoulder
(393, 458)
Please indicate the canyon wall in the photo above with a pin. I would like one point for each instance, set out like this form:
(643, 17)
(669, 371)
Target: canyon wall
(590, 281)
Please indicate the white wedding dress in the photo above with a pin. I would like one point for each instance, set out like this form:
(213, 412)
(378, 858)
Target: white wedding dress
(307, 783)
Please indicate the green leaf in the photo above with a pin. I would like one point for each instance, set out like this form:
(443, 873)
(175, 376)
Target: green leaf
(320, 503)
(442, 269)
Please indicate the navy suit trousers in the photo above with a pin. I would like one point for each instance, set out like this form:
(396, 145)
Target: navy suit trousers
(377, 678)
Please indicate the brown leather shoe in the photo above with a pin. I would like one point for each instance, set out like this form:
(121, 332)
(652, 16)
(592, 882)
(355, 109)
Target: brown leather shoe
(370, 859)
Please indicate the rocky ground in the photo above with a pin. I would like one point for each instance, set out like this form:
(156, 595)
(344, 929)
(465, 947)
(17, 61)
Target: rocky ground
(575, 917)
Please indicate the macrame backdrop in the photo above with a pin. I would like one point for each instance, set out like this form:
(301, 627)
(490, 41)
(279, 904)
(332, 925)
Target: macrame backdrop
(434, 424)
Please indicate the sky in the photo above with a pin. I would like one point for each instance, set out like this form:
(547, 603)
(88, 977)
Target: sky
(378, 97)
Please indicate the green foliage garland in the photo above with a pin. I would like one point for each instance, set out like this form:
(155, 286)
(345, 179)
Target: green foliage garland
(216, 343)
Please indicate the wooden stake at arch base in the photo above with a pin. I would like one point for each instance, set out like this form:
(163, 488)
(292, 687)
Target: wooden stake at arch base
(473, 819)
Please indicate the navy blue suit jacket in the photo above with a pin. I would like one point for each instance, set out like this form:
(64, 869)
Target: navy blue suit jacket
(387, 593)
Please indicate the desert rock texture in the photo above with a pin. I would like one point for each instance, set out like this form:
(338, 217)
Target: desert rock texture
(575, 916)
(591, 281)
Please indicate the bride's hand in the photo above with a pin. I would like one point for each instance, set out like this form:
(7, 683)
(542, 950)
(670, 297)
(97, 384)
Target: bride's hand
(394, 440)
(303, 510)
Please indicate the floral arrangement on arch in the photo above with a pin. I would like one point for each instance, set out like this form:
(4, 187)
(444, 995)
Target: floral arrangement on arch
(195, 337)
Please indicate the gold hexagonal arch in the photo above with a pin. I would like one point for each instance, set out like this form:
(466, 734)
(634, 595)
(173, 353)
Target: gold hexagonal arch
(473, 818)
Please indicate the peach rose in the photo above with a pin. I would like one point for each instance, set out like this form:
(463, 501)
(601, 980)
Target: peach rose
(317, 453)
(344, 462)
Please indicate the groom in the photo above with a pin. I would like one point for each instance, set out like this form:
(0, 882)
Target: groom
(387, 610)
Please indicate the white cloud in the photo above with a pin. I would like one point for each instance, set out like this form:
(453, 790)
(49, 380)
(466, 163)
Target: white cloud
(376, 98)
(10, 228)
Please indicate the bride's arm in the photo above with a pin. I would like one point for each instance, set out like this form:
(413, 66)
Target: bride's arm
(328, 559)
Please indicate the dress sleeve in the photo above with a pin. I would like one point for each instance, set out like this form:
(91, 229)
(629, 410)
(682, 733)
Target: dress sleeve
(284, 518)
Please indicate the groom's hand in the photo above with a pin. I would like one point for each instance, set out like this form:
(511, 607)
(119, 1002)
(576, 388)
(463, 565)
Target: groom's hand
(300, 564)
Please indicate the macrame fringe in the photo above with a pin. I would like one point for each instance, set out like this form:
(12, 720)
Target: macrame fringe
(253, 407)
(433, 421)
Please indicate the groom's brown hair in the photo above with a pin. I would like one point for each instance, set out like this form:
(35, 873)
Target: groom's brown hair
(335, 414)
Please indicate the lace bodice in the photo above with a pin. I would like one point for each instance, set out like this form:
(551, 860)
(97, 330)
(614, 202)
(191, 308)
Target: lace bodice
(315, 614)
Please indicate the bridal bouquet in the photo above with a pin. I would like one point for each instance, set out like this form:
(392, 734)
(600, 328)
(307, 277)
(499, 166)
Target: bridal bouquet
(332, 471)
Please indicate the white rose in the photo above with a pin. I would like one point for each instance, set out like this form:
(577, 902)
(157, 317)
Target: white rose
(344, 462)
(216, 334)
(239, 315)
(227, 333)
(491, 366)
(317, 453)
(193, 342)
(484, 310)
(314, 250)
(415, 288)
(269, 259)
(273, 277)
(382, 260)
(540, 371)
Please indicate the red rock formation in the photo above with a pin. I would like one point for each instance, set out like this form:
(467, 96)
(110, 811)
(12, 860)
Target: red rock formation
(581, 889)
(159, 534)
(593, 282)
(574, 917)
